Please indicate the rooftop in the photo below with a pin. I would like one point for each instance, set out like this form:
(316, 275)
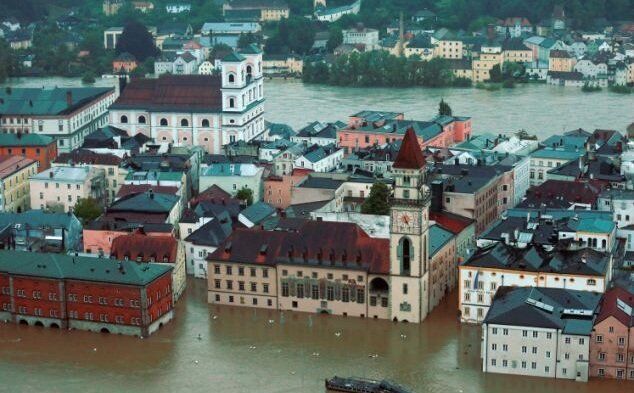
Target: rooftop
(84, 156)
(60, 266)
(64, 173)
(19, 139)
(552, 308)
(191, 93)
(535, 258)
(316, 243)
(145, 202)
(48, 102)
(12, 164)
(410, 155)
(140, 247)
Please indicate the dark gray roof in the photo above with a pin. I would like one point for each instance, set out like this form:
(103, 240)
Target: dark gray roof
(535, 258)
(212, 233)
(321, 182)
(569, 310)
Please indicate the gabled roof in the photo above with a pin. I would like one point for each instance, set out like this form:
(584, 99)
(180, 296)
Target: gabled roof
(316, 243)
(138, 245)
(84, 156)
(410, 156)
(145, 202)
(212, 233)
(551, 308)
(612, 306)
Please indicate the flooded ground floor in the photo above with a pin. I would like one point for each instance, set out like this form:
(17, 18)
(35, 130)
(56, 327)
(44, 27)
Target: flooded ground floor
(222, 349)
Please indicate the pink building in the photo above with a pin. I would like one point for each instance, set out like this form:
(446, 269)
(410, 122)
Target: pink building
(612, 340)
(278, 190)
(367, 129)
(99, 234)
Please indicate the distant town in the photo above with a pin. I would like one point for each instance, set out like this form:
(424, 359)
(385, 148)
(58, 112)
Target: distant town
(114, 201)
(340, 44)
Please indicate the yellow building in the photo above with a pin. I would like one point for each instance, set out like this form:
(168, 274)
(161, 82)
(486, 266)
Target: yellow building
(490, 56)
(14, 183)
(561, 60)
(282, 65)
(447, 45)
(514, 51)
(461, 68)
(270, 10)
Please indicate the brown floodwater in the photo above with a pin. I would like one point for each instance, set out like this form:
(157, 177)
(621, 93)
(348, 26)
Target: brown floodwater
(247, 350)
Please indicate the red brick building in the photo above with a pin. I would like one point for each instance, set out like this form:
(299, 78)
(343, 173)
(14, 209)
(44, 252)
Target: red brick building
(101, 295)
(37, 147)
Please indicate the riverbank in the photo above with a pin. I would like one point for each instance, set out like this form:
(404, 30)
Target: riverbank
(537, 108)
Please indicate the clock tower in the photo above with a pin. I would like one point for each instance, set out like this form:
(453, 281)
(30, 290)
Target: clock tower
(409, 237)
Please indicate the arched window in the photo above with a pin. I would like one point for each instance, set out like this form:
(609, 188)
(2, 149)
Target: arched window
(205, 123)
(249, 71)
(232, 78)
(124, 119)
(163, 122)
(405, 252)
(184, 123)
(232, 103)
(141, 119)
(604, 243)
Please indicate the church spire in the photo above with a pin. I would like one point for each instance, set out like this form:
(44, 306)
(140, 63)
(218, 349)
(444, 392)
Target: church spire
(410, 155)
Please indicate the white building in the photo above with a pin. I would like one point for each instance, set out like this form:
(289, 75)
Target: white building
(177, 8)
(500, 265)
(369, 38)
(539, 332)
(210, 232)
(66, 114)
(335, 13)
(206, 68)
(197, 110)
(320, 158)
(590, 69)
(233, 177)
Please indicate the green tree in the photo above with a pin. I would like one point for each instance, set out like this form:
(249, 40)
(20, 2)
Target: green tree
(137, 40)
(495, 74)
(245, 194)
(443, 108)
(88, 209)
(378, 201)
(247, 39)
(335, 38)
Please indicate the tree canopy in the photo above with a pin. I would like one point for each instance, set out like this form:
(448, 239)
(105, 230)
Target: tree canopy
(443, 108)
(245, 194)
(378, 200)
(87, 209)
(137, 40)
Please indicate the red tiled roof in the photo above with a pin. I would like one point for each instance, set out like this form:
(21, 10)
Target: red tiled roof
(573, 192)
(129, 189)
(344, 245)
(410, 155)
(609, 306)
(452, 222)
(173, 92)
(213, 194)
(85, 156)
(148, 248)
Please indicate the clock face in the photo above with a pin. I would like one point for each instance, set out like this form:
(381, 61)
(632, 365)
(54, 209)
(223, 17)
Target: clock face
(405, 220)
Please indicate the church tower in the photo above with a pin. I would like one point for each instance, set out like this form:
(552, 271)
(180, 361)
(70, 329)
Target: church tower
(409, 237)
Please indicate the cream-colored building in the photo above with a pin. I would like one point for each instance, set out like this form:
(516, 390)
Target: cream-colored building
(14, 183)
(447, 45)
(109, 163)
(270, 10)
(337, 268)
(276, 65)
(539, 332)
(490, 56)
(61, 187)
(561, 60)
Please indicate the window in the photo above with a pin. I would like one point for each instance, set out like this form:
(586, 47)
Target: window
(240, 271)
(524, 348)
(229, 270)
(493, 362)
(254, 287)
(567, 340)
(141, 119)
(124, 119)
(265, 288)
(184, 123)
(163, 122)
(232, 103)
(621, 341)
(232, 78)
(534, 350)
(404, 289)
(494, 347)
(505, 347)
(216, 269)
(205, 123)
(494, 331)
(505, 332)
(599, 338)
(285, 289)
(300, 290)
(535, 334)
(229, 284)
(241, 285)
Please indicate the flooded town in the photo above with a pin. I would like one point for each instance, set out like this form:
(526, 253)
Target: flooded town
(328, 196)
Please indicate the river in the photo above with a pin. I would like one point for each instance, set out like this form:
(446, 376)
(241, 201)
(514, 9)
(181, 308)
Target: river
(242, 351)
(537, 108)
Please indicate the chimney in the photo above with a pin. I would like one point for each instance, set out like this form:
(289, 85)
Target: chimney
(50, 174)
(69, 98)
(151, 193)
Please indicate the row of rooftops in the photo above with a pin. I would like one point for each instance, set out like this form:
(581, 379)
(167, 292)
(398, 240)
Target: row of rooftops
(48, 102)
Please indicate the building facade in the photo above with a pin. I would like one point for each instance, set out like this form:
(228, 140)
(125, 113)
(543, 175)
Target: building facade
(15, 172)
(99, 295)
(197, 110)
(60, 188)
